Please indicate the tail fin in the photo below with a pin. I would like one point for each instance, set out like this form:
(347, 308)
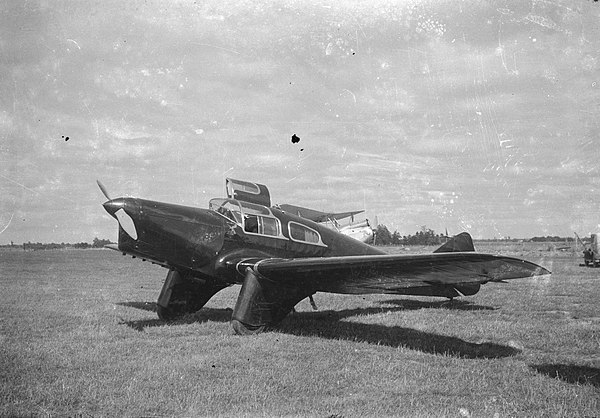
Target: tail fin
(458, 243)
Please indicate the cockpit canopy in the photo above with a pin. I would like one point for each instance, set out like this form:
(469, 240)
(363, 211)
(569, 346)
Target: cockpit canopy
(258, 219)
(255, 219)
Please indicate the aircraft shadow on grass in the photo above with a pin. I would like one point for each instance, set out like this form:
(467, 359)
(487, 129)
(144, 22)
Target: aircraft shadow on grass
(145, 306)
(203, 315)
(330, 324)
(414, 305)
(582, 375)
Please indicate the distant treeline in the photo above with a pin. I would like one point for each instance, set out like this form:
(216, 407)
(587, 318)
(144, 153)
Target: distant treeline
(427, 236)
(552, 239)
(34, 246)
(383, 236)
(547, 238)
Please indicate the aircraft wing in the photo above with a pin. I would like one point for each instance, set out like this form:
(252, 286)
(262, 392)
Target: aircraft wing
(315, 215)
(391, 273)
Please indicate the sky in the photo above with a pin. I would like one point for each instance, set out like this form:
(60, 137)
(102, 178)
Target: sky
(477, 116)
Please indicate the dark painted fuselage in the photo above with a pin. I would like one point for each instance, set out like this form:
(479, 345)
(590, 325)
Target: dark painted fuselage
(206, 244)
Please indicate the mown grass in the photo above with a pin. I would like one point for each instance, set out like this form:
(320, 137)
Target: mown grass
(79, 337)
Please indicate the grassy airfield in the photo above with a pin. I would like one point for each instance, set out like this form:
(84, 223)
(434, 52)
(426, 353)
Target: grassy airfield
(79, 337)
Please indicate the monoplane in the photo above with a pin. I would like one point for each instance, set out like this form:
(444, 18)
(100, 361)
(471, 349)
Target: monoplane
(281, 258)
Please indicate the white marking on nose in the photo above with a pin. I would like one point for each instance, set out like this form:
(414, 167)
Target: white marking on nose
(126, 223)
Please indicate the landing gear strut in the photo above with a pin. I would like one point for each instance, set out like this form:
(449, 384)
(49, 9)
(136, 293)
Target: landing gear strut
(181, 294)
(263, 303)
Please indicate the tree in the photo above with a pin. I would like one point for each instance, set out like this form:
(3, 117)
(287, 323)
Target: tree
(425, 236)
(100, 243)
(383, 236)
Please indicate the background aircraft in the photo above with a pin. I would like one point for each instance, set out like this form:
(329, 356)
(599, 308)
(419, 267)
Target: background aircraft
(591, 251)
(361, 230)
(280, 258)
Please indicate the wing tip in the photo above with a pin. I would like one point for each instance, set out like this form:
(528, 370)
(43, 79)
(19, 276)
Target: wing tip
(541, 271)
(517, 268)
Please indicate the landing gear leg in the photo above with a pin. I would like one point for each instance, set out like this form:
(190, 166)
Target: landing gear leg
(182, 295)
(262, 303)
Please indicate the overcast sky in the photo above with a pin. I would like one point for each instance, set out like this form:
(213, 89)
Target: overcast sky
(467, 115)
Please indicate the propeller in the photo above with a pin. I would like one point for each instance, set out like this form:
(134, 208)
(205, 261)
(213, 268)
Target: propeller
(375, 230)
(583, 244)
(116, 209)
(374, 234)
(103, 189)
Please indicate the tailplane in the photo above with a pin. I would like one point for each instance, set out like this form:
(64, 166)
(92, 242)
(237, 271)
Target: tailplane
(458, 243)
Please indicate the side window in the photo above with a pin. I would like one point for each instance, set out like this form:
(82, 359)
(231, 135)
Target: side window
(270, 226)
(311, 236)
(263, 225)
(251, 224)
(302, 233)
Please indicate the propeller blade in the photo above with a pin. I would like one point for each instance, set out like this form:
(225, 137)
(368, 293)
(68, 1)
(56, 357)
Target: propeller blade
(103, 189)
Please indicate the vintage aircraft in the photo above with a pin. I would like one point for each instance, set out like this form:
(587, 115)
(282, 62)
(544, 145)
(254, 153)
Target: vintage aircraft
(280, 258)
(591, 251)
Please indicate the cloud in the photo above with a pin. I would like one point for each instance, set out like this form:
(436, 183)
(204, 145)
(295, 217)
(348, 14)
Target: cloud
(396, 103)
(272, 159)
(126, 133)
(6, 122)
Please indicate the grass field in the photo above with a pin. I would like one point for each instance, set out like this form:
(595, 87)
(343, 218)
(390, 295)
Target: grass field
(79, 337)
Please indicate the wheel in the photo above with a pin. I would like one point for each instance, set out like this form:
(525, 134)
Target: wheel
(243, 329)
